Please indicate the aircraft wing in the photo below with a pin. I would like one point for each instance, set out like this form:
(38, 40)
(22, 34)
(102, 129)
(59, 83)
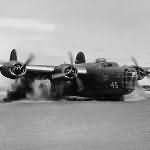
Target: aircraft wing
(14, 69)
(63, 71)
(39, 71)
(47, 72)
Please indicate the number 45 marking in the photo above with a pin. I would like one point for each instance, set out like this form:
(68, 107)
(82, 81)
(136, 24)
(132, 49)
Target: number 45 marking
(114, 85)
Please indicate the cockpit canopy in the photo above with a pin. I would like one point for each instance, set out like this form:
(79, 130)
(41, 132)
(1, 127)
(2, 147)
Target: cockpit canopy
(100, 60)
(105, 63)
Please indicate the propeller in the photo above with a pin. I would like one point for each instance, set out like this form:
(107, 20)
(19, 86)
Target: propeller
(79, 83)
(15, 69)
(80, 86)
(21, 68)
(140, 71)
(58, 76)
(70, 73)
(71, 58)
(134, 61)
(141, 74)
(28, 61)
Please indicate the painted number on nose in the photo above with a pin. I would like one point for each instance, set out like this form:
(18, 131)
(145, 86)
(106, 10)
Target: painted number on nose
(114, 85)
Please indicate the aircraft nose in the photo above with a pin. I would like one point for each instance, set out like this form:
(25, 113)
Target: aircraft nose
(131, 78)
(134, 74)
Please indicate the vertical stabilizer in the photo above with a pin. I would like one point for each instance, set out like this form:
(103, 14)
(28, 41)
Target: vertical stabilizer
(13, 55)
(80, 58)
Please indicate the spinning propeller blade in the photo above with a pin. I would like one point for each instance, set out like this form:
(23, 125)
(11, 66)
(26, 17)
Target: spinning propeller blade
(71, 73)
(142, 73)
(134, 61)
(140, 70)
(58, 76)
(79, 83)
(28, 61)
(71, 58)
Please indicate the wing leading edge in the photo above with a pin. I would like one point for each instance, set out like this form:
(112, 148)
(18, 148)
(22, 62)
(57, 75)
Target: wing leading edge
(39, 71)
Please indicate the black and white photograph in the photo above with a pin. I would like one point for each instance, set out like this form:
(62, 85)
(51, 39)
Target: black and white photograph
(74, 74)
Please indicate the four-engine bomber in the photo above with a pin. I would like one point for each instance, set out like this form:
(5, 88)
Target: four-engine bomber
(100, 79)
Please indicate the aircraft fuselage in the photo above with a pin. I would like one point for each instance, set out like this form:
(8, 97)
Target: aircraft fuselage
(103, 81)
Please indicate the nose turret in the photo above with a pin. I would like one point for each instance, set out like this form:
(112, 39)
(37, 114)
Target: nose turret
(130, 78)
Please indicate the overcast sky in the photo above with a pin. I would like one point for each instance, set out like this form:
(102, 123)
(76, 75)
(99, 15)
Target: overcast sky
(115, 29)
(102, 28)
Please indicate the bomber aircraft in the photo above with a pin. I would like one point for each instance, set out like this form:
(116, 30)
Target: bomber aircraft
(102, 79)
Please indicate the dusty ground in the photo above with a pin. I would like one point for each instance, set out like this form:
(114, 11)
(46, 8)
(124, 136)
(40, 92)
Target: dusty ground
(75, 125)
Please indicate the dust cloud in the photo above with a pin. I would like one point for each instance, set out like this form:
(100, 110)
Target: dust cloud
(27, 88)
(40, 89)
(136, 96)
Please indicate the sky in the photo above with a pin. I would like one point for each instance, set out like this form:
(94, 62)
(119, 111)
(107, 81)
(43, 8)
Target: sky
(114, 29)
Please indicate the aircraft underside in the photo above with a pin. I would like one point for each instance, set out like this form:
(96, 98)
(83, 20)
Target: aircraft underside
(100, 93)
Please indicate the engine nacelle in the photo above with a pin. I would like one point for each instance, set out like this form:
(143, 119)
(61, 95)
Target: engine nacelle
(66, 71)
(70, 72)
(13, 71)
